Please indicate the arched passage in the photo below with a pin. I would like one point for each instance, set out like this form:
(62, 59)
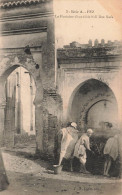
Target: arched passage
(19, 111)
(20, 93)
(94, 105)
(8, 138)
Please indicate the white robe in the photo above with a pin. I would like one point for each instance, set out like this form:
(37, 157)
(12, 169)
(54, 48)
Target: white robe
(69, 139)
(80, 148)
(112, 147)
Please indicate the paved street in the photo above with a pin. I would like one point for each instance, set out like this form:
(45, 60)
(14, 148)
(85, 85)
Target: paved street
(32, 177)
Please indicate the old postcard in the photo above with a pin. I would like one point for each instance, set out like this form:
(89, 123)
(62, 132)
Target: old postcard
(60, 97)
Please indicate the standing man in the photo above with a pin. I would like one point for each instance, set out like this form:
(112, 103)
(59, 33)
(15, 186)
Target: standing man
(65, 141)
(111, 152)
(69, 139)
(80, 149)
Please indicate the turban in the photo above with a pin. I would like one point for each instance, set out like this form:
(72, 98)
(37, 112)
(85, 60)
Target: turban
(73, 124)
(89, 131)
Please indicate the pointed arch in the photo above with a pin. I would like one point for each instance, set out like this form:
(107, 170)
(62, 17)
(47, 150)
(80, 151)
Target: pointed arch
(90, 92)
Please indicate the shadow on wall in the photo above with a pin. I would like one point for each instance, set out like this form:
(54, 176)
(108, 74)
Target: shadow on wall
(105, 132)
(94, 105)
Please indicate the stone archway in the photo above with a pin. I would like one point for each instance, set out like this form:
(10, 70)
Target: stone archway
(85, 97)
(19, 110)
(37, 102)
(19, 123)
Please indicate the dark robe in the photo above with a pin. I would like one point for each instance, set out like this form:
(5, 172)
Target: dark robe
(3, 177)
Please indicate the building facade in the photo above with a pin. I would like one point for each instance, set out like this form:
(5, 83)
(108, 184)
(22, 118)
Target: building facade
(27, 40)
(83, 86)
(89, 81)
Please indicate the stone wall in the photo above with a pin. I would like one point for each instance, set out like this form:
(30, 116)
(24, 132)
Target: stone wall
(24, 139)
(93, 104)
(80, 64)
(28, 41)
(52, 118)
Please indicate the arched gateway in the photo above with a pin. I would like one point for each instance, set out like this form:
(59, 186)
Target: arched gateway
(93, 105)
(89, 81)
(27, 40)
(7, 135)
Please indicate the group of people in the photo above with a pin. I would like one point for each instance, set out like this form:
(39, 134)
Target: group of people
(71, 146)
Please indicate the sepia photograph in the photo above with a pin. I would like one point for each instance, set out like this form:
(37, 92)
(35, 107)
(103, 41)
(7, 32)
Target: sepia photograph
(60, 97)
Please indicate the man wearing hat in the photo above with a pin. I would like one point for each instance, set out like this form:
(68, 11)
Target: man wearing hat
(80, 149)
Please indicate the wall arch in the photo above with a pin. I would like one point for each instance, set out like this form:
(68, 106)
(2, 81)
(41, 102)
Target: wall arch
(11, 68)
(30, 67)
(84, 112)
(106, 94)
(8, 70)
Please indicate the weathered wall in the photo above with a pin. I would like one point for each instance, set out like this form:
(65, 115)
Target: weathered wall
(32, 24)
(94, 103)
(80, 64)
(73, 76)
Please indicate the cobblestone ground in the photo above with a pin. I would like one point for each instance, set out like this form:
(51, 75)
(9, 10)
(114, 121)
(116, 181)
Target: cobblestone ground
(32, 177)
